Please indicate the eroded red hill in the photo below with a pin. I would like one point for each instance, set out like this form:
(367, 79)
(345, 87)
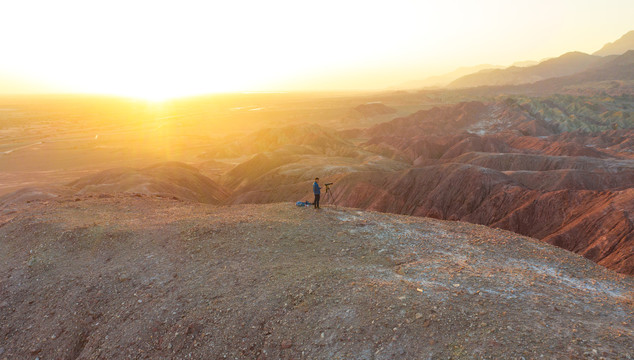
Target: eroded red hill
(168, 179)
(496, 164)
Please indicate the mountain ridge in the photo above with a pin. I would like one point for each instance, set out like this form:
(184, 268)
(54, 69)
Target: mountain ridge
(618, 47)
(566, 64)
(444, 79)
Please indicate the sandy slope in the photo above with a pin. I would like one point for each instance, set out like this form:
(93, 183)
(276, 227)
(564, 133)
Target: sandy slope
(144, 277)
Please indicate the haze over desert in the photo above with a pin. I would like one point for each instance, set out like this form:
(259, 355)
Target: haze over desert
(158, 160)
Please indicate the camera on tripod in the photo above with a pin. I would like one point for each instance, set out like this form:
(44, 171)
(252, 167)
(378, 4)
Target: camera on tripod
(328, 192)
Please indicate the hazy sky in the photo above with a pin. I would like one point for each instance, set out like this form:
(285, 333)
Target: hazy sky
(166, 48)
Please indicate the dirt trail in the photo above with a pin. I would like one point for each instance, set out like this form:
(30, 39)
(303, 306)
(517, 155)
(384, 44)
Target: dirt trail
(104, 277)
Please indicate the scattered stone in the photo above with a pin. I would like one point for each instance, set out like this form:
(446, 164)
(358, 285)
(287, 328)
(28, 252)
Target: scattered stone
(237, 297)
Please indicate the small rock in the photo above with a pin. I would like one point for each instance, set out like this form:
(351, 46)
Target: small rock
(418, 316)
(456, 285)
(286, 344)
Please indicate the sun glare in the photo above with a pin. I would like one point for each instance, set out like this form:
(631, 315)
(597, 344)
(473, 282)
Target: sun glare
(159, 50)
(154, 95)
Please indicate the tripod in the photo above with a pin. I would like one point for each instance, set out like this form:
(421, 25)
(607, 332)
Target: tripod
(329, 192)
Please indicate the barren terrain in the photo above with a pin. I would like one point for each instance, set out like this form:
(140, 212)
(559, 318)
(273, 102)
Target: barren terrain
(113, 276)
(168, 230)
(558, 168)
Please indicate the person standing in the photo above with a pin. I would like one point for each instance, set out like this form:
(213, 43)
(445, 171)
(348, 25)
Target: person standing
(317, 192)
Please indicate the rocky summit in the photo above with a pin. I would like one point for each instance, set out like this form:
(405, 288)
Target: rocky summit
(99, 276)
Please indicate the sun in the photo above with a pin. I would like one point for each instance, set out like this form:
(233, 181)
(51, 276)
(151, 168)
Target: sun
(155, 95)
(152, 93)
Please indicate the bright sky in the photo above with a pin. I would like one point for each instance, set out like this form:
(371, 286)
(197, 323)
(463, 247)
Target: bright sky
(175, 48)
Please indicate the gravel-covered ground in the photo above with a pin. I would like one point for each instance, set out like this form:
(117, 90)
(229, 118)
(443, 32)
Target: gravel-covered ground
(138, 277)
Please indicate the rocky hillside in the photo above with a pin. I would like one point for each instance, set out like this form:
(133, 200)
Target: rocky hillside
(103, 276)
(571, 189)
(171, 179)
(504, 164)
(594, 223)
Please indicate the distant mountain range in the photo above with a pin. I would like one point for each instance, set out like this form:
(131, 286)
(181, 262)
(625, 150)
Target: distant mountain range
(625, 43)
(526, 63)
(613, 68)
(612, 75)
(527, 72)
(567, 64)
(444, 79)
